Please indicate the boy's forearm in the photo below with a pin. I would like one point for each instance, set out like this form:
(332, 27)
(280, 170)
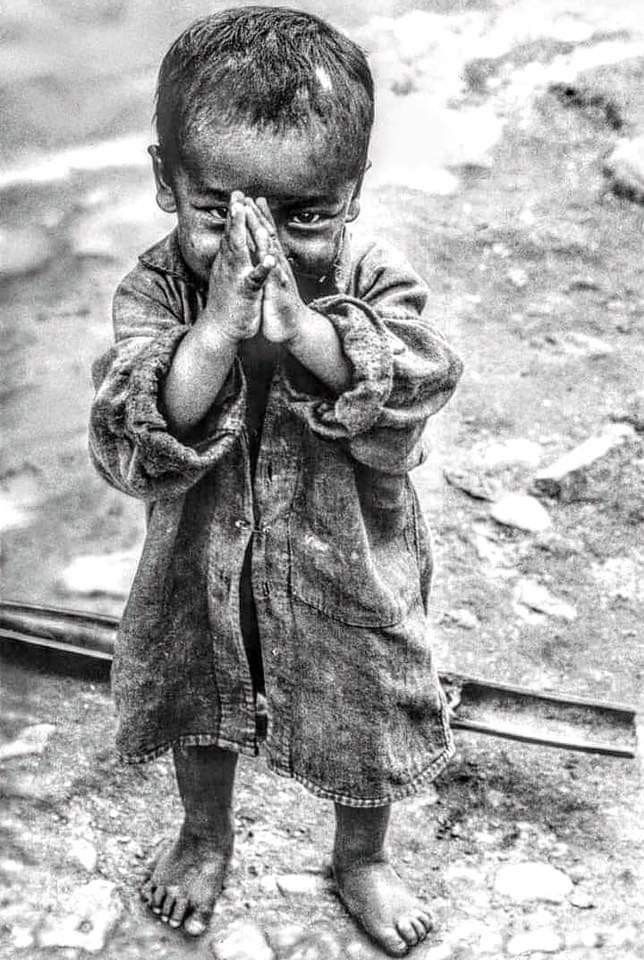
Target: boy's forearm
(317, 346)
(199, 369)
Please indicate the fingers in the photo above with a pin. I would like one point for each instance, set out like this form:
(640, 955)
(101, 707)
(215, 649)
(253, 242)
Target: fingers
(259, 274)
(236, 225)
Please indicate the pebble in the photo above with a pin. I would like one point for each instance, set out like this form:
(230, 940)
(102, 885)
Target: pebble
(89, 916)
(542, 940)
(625, 167)
(532, 881)
(301, 884)
(243, 940)
(31, 740)
(84, 853)
(323, 944)
(24, 250)
(462, 618)
(520, 511)
(582, 900)
(518, 277)
(531, 594)
(568, 477)
(284, 937)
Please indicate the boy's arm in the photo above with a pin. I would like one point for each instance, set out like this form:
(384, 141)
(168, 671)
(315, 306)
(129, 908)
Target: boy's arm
(130, 440)
(397, 369)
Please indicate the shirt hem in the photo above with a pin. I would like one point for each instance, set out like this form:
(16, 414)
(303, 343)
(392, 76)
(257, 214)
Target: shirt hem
(414, 786)
(190, 740)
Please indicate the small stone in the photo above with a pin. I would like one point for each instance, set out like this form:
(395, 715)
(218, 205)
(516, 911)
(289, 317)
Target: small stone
(590, 939)
(532, 881)
(319, 944)
(541, 940)
(580, 344)
(518, 277)
(534, 596)
(23, 250)
(624, 168)
(31, 740)
(301, 884)
(243, 940)
(268, 884)
(567, 478)
(84, 853)
(581, 900)
(90, 914)
(284, 937)
(520, 511)
(462, 618)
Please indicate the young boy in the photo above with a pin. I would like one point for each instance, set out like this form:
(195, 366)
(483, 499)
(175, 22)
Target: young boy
(266, 396)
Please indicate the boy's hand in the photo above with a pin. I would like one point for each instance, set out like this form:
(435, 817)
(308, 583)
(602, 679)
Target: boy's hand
(283, 311)
(238, 276)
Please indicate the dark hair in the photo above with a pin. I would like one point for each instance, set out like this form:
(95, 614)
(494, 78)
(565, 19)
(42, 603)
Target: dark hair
(269, 67)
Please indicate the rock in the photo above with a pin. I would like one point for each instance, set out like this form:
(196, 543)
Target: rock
(542, 940)
(520, 511)
(324, 944)
(624, 168)
(107, 574)
(531, 594)
(461, 618)
(84, 854)
(568, 477)
(301, 884)
(89, 916)
(619, 578)
(632, 412)
(581, 900)
(579, 344)
(518, 277)
(243, 940)
(472, 483)
(23, 250)
(284, 937)
(31, 740)
(532, 881)
(508, 453)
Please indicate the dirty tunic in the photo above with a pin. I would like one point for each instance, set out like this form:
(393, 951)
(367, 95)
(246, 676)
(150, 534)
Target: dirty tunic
(340, 555)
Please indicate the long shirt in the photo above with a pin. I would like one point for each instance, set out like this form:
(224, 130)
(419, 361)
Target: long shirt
(340, 559)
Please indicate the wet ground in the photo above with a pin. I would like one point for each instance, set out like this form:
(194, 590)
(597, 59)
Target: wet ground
(535, 271)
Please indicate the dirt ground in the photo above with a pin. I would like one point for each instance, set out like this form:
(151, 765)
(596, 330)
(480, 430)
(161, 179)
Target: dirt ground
(535, 269)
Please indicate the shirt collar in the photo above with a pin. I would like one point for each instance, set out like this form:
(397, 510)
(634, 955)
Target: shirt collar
(165, 256)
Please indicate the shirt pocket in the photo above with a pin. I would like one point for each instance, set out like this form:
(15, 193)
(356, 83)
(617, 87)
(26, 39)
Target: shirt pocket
(353, 545)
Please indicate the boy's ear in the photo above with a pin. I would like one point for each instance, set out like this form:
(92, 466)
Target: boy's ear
(165, 194)
(354, 203)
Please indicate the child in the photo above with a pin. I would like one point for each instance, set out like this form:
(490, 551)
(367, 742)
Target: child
(266, 397)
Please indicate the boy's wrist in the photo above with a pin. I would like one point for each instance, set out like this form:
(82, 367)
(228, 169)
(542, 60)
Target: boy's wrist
(301, 325)
(214, 339)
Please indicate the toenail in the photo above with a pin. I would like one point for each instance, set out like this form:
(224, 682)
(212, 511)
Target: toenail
(165, 919)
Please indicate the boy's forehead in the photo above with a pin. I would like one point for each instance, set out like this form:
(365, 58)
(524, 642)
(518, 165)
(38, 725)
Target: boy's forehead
(262, 162)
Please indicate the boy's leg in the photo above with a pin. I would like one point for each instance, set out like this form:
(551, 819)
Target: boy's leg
(188, 874)
(369, 886)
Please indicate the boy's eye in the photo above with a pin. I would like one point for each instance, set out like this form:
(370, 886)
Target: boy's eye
(219, 212)
(306, 218)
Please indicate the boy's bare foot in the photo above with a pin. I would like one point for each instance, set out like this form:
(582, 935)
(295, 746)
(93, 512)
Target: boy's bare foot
(187, 876)
(185, 879)
(376, 897)
(368, 885)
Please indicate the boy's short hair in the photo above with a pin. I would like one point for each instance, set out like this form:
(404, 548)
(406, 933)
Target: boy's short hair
(272, 68)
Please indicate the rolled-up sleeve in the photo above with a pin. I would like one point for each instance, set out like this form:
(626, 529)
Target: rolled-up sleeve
(129, 440)
(402, 368)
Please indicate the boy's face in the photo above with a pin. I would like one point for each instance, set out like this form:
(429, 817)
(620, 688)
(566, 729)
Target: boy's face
(297, 175)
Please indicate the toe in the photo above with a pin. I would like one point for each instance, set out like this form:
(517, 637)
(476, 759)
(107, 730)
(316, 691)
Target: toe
(427, 921)
(157, 898)
(167, 906)
(392, 942)
(419, 928)
(196, 923)
(406, 929)
(178, 912)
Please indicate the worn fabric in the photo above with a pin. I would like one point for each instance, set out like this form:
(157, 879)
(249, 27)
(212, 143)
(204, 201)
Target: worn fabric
(341, 559)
